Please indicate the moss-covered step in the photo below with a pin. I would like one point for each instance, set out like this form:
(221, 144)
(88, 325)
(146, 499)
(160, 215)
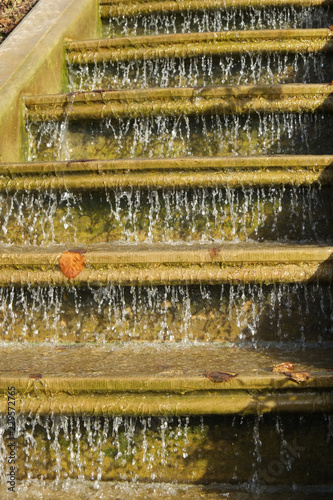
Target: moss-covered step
(196, 59)
(174, 264)
(114, 380)
(186, 172)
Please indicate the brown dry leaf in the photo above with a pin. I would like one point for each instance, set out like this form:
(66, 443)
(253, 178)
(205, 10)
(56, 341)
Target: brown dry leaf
(213, 252)
(299, 376)
(71, 263)
(36, 376)
(283, 367)
(331, 27)
(220, 376)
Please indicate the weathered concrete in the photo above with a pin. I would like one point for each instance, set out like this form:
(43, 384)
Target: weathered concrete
(32, 61)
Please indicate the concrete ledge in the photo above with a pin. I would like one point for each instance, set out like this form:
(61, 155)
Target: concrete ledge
(187, 172)
(199, 44)
(175, 101)
(171, 381)
(32, 60)
(142, 265)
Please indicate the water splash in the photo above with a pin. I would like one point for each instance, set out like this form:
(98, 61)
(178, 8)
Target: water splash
(245, 313)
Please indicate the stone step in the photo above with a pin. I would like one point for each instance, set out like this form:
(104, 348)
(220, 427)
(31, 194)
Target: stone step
(196, 59)
(112, 380)
(174, 264)
(187, 172)
(171, 122)
(239, 99)
(199, 44)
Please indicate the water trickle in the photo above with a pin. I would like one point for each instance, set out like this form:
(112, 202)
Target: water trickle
(246, 313)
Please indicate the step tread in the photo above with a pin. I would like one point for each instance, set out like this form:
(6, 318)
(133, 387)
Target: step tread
(143, 378)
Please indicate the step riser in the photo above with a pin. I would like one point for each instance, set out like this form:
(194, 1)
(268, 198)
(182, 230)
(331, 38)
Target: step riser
(222, 313)
(180, 135)
(168, 215)
(251, 450)
(199, 71)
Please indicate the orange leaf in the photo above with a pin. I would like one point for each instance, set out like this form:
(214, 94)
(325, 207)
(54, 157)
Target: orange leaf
(331, 27)
(283, 367)
(220, 376)
(213, 252)
(299, 376)
(71, 264)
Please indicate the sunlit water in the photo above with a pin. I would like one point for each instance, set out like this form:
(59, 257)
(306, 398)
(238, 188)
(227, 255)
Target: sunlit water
(242, 313)
(219, 20)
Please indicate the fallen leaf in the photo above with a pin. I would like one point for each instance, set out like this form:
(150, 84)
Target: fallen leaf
(331, 27)
(220, 376)
(329, 369)
(213, 252)
(299, 376)
(71, 263)
(36, 376)
(283, 367)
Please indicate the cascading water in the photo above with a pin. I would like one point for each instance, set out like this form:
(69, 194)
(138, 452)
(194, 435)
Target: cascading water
(174, 136)
(228, 313)
(249, 18)
(256, 452)
(247, 69)
(167, 215)
(126, 448)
